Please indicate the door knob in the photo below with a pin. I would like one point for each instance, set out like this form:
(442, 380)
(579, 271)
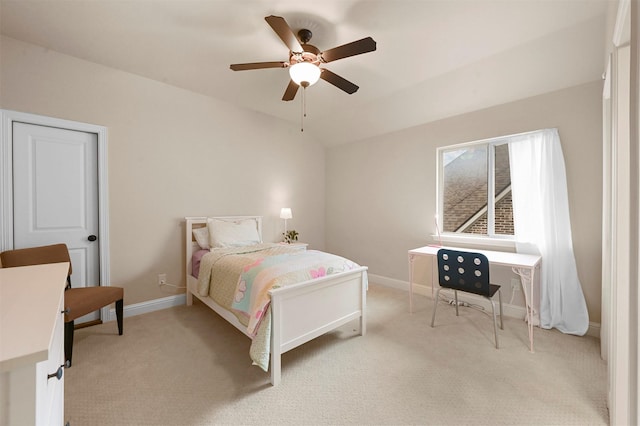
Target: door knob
(92, 238)
(57, 374)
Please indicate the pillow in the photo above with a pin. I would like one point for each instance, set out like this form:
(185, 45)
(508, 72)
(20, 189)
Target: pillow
(202, 237)
(195, 261)
(223, 233)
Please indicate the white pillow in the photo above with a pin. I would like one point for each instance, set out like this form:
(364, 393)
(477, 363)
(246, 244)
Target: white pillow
(202, 237)
(223, 233)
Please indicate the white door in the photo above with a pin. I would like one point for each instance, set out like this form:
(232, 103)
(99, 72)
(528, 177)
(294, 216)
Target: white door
(55, 196)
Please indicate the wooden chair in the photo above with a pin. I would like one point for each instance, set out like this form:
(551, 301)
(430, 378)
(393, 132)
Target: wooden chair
(77, 301)
(468, 272)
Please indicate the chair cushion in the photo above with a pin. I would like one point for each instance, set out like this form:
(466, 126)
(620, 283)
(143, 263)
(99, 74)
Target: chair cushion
(82, 301)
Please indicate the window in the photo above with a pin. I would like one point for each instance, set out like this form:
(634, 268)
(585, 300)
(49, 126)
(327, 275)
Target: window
(474, 189)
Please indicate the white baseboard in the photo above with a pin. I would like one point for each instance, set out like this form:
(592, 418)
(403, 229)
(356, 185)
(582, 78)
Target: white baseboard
(512, 311)
(594, 329)
(148, 306)
(393, 283)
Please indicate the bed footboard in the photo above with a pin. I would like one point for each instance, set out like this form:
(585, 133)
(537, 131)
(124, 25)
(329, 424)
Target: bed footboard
(302, 312)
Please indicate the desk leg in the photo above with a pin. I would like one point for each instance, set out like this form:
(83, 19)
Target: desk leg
(411, 259)
(527, 276)
(531, 313)
(434, 275)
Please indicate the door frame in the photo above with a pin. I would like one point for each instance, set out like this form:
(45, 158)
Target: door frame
(7, 118)
(622, 223)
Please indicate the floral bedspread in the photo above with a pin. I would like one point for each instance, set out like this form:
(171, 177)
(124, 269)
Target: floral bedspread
(252, 298)
(223, 272)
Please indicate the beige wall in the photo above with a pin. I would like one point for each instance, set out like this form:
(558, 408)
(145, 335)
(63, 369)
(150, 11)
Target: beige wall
(172, 153)
(382, 198)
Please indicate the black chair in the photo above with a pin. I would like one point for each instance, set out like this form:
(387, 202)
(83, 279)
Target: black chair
(468, 272)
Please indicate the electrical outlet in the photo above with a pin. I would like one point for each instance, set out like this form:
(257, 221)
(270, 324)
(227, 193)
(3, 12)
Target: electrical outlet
(162, 279)
(515, 284)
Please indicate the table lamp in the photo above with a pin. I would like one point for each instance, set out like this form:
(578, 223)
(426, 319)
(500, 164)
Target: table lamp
(285, 214)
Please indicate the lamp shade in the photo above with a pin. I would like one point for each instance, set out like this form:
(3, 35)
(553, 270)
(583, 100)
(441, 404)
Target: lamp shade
(304, 72)
(285, 213)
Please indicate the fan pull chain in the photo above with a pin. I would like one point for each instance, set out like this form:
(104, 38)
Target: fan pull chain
(304, 108)
(304, 102)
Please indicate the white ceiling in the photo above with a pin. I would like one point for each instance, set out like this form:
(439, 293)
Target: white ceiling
(434, 59)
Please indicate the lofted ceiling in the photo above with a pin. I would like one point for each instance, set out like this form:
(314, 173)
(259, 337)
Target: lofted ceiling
(434, 59)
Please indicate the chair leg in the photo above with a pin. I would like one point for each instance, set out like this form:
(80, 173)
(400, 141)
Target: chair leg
(500, 299)
(119, 312)
(435, 305)
(455, 292)
(495, 322)
(68, 342)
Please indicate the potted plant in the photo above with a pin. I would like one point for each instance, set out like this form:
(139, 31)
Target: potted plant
(290, 236)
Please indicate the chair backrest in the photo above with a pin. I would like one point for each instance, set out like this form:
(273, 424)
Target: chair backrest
(55, 253)
(464, 271)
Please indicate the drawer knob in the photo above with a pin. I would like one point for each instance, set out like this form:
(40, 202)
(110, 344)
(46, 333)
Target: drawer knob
(57, 374)
(66, 311)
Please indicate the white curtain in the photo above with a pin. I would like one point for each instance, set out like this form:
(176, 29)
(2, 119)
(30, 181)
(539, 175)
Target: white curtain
(542, 226)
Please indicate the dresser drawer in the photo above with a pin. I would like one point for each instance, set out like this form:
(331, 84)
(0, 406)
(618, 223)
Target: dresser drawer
(50, 390)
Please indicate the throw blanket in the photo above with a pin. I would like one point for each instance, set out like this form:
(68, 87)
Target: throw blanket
(252, 291)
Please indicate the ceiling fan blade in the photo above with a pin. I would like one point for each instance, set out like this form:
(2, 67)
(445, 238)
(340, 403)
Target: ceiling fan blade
(350, 49)
(338, 81)
(257, 66)
(291, 91)
(283, 30)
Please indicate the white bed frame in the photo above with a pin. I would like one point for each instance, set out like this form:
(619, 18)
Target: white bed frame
(299, 312)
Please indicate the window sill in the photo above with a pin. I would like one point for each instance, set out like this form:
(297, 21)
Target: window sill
(468, 240)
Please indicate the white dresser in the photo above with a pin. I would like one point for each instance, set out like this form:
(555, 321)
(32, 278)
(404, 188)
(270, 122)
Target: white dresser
(32, 344)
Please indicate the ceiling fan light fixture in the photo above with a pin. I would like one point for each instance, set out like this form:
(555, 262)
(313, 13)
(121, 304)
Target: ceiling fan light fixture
(304, 72)
(305, 59)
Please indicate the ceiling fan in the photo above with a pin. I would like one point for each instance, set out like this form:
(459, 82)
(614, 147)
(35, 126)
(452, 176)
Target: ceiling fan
(305, 59)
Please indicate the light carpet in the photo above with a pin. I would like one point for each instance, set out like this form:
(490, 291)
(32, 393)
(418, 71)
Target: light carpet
(187, 366)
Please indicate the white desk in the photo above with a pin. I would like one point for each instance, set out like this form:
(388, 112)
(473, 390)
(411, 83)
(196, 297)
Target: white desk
(523, 265)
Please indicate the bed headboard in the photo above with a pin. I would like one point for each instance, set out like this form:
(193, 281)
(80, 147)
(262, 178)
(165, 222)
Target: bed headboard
(194, 222)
